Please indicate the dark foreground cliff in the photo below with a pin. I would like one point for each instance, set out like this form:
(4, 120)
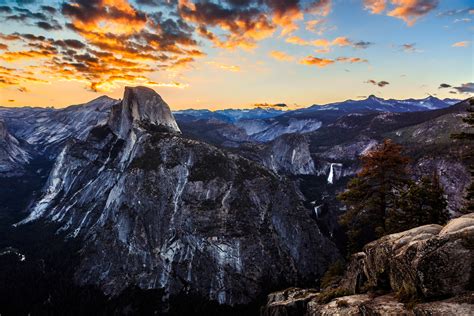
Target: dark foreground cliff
(428, 270)
(148, 209)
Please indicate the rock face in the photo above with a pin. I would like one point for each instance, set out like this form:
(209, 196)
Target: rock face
(287, 154)
(429, 262)
(295, 302)
(363, 304)
(141, 105)
(290, 154)
(13, 155)
(158, 211)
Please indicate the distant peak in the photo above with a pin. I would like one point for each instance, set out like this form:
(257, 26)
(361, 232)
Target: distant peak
(140, 104)
(104, 97)
(373, 97)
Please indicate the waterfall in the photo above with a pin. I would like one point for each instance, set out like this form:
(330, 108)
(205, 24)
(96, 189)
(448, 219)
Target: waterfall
(331, 172)
(317, 210)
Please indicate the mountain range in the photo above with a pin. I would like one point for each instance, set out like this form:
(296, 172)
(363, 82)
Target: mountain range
(214, 207)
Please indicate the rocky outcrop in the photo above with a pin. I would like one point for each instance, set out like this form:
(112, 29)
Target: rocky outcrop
(141, 105)
(430, 261)
(350, 150)
(288, 154)
(296, 302)
(364, 304)
(14, 155)
(156, 210)
(426, 264)
(292, 301)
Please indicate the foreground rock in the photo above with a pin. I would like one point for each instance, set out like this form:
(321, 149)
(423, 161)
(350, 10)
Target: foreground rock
(425, 264)
(296, 301)
(155, 210)
(430, 261)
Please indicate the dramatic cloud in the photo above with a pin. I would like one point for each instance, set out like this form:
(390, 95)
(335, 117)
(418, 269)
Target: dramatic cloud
(5, 9)
(381, 84)
(104, 44)
(48, 9)
(461, 44)
(281, 56)
(48, 26)
(242, 23)
(465, 88)
(120, 45)
(43, 19)
(407, 10)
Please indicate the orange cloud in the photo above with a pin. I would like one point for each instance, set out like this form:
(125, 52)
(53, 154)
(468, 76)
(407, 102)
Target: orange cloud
(321, 7)
(315, 61)
(15, 77)
(326, 44)
(281, 56)
(407, 10)
(323, 62)
(461, 44)
(243, 27)
(105, 16)
(287, 20)
(297, 41)
(411, 10)
(375, 6)
(117, 39)
(29, 54)
(244, 23)
(341, 41)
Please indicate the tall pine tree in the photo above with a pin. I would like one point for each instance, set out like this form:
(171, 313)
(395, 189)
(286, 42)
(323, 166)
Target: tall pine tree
(418, 204)
(469, 136)
(371, 194)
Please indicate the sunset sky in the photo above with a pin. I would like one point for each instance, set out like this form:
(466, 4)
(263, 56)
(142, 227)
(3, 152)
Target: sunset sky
(234, 53)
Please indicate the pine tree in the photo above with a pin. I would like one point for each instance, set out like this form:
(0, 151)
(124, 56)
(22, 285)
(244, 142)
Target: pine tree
(419, 204)
(372, 193)
(469, 136)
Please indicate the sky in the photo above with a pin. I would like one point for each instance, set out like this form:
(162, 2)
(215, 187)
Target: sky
(235, 53)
